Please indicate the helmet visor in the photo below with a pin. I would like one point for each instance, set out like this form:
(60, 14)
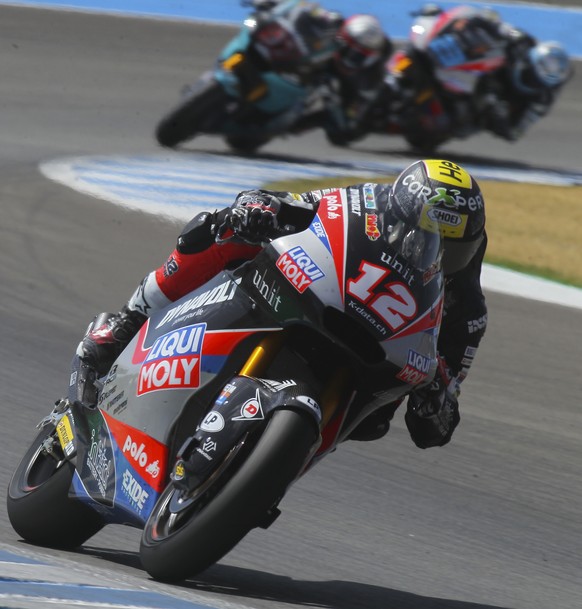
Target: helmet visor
(420, 245)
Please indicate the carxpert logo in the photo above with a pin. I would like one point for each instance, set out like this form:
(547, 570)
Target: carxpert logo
(173, 361)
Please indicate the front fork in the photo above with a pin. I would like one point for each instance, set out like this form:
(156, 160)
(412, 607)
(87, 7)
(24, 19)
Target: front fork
(335, 393)
(222, 425)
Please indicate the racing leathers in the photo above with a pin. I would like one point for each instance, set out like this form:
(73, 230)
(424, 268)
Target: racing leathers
(204, 249)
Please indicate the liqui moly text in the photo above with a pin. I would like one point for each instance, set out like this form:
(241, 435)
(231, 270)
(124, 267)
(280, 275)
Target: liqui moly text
(298, 268)
(416, 369)
(173, 361)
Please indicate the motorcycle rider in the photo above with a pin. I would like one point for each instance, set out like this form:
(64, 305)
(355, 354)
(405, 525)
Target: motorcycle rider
(506, 102)
(356, 74)
(341, 57)
(211, 242)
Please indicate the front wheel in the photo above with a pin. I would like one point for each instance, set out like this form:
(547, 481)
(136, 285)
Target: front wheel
(39, 507)
(178, 542)
(200, 112)
(247, 145)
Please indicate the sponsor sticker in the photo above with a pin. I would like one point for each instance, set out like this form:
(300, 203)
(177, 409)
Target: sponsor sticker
(65, 433)
(221, 293)
(173, 361)
(416, 369)
(372, 230)
(449, 172)
(298, 268)
(251, 409)
(450, 223)
(212, 422)
(369, 197)
(311, 404)
(334, 207)
(133, 490)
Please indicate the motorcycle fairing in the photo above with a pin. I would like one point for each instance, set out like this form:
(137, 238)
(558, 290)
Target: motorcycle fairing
(94, 460)
(342, 263)
(185, 355)
(119, 470)
(275, 93)
(243, 405)
(459, 61)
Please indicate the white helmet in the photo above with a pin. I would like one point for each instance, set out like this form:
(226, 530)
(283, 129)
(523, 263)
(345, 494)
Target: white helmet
(546, 65)
(362, 40)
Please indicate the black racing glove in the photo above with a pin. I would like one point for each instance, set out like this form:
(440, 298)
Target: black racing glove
(252, 218)
(433, 412)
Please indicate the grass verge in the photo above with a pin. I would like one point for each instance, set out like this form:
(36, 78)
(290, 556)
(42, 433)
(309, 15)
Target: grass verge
(532, 228)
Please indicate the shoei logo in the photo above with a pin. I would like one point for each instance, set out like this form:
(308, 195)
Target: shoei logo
(173, 361)
(449, 223)
(445, 217)
(298, 268)
(448, 172)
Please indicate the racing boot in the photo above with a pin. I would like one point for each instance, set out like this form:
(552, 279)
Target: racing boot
(107, 337)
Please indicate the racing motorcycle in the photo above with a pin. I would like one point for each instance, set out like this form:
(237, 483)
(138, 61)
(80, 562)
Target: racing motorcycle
(243, 98)
(227, 396)
(436, 85)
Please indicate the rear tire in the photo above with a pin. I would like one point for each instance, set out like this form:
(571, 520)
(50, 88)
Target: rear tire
(38, 503)
(200, 112)
(176, 547)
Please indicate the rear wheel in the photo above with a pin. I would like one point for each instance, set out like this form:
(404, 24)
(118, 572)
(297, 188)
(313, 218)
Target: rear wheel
(199, 112)
(186, 534)
(38, 503)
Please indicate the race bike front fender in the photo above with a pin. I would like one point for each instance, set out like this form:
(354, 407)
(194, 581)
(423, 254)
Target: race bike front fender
(244, 404)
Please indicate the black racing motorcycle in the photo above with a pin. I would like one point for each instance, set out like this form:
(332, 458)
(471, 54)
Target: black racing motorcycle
(229, 395)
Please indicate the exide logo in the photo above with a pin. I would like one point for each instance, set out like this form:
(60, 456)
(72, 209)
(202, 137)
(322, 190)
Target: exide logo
(173, 361)
(299, 268)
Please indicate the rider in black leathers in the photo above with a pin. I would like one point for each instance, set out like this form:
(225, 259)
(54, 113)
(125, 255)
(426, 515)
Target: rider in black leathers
(258, 215)
(342, 58)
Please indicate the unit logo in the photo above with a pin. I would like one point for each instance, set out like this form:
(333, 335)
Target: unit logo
(298, 268)
(173, 361)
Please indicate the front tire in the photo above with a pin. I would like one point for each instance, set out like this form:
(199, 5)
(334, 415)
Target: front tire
(38, 503)
(199, 112)
(246, 145)
(175, 546)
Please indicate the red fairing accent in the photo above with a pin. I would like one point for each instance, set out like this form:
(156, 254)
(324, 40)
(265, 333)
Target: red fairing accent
(140, 353)
(429, 321)
(145, 454)
(333, 217)
(216, 342)
(193, 270)
(483, 65)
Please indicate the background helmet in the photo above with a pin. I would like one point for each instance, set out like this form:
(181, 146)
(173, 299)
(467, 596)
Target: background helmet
(361, 42)
(545, 66)
(442, 192)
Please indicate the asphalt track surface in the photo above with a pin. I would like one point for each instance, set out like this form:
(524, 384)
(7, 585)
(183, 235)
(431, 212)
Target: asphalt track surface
(493, 521)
